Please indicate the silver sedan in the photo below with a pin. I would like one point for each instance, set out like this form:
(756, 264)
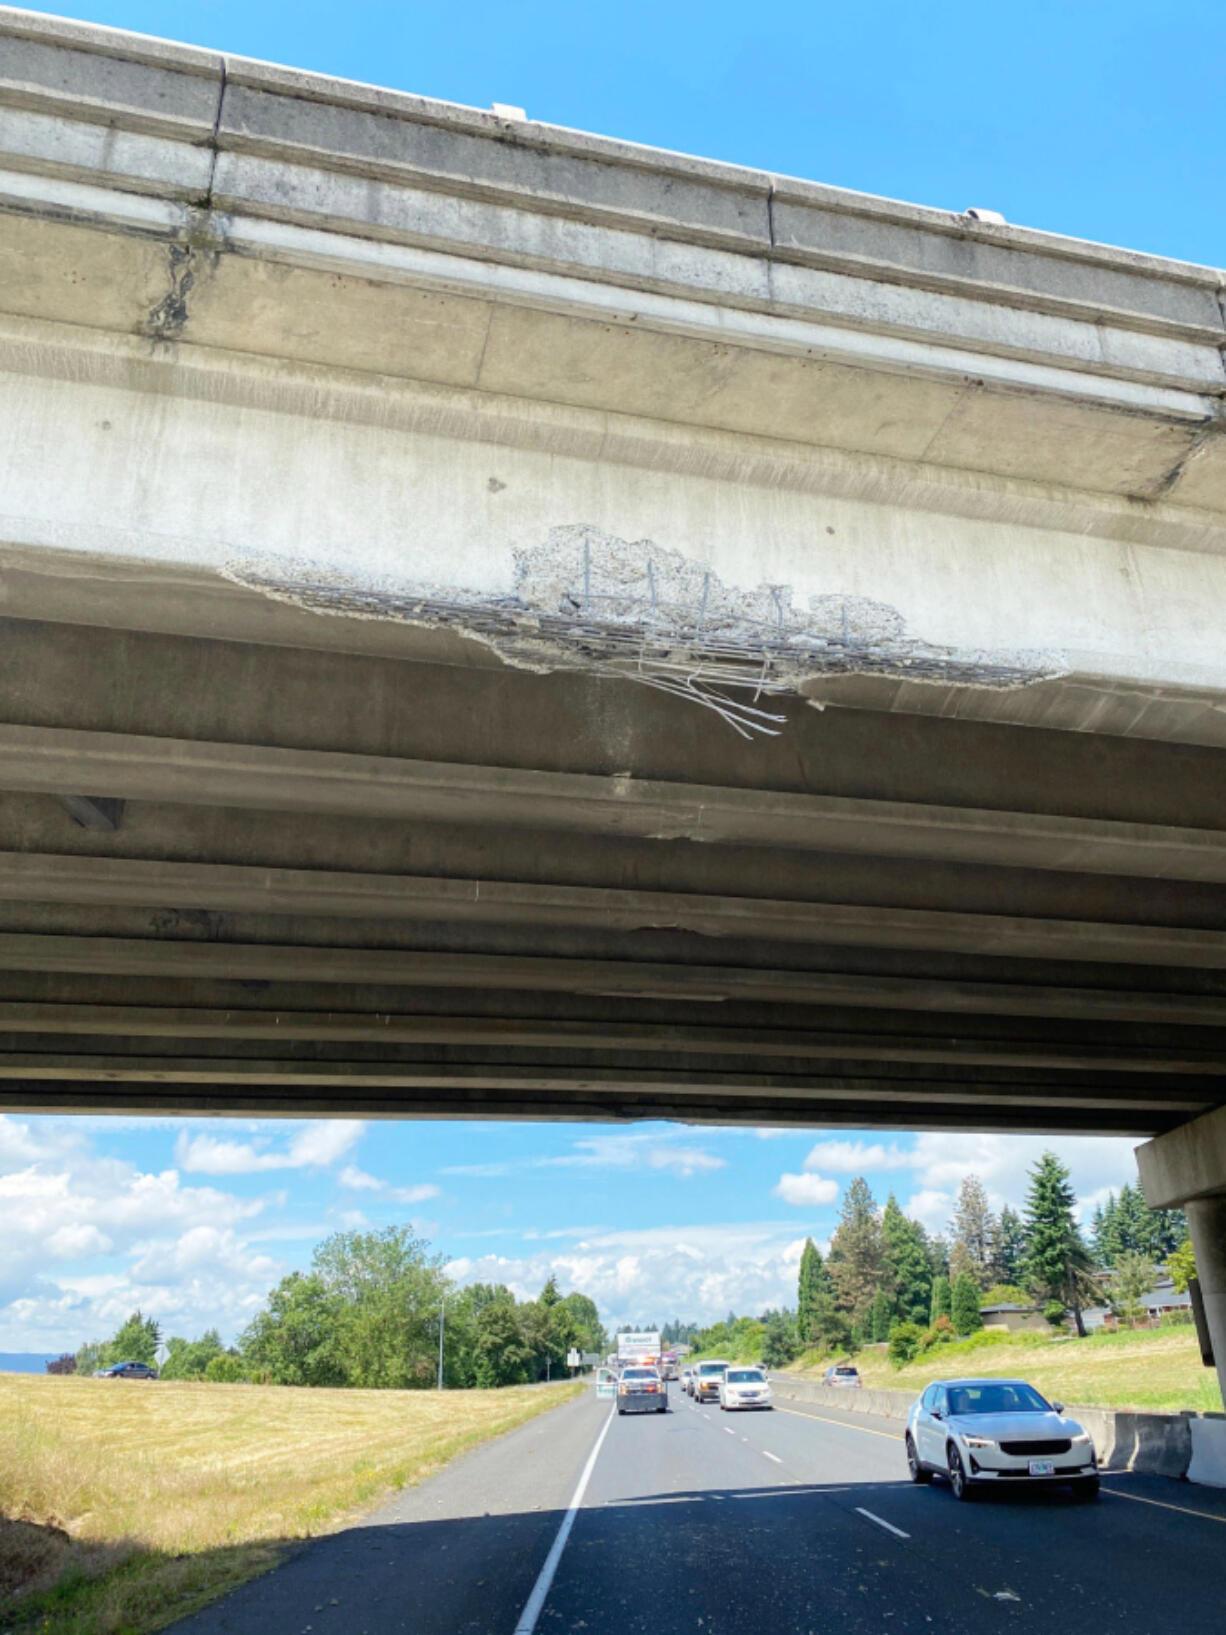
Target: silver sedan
(981, 1433)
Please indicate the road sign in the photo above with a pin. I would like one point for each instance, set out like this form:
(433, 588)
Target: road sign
(573, 1359)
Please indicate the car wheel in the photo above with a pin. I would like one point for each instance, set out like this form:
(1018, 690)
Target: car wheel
(958, 1479)
(1087, 1488)
(920, 1474)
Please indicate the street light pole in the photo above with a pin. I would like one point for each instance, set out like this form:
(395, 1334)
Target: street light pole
(442, 1320)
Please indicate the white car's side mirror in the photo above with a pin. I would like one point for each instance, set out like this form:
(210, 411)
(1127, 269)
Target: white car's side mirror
(1058, 1407)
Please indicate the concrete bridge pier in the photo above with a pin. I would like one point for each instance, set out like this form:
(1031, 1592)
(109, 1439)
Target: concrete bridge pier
(1186, 1169)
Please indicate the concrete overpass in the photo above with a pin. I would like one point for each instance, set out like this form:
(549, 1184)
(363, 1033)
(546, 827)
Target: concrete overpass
(503, 622)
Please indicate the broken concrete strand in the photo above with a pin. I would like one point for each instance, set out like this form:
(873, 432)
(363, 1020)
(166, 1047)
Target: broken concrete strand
(585, 600)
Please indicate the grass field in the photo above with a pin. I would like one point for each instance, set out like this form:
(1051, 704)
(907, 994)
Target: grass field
(1158, 1368)
(126, 1505)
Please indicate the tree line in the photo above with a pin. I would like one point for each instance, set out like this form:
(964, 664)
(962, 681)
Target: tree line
(887, 1279)
(371, 1313)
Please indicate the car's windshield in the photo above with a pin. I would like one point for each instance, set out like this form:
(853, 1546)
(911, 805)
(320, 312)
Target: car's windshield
(1007, 1397)
(851, 1373)
(744, 1376)
(712, 1368)
(640, 1374)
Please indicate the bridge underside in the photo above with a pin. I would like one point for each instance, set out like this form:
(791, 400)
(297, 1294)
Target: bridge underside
(331, 418)
(262, 878)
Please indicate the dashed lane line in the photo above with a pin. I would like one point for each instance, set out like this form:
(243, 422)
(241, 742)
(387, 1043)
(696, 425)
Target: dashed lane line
(727, 1430)
(774, 1457)
(881, 1522)
(866, 1430)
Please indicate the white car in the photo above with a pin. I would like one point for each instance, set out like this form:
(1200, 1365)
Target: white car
(744, 1388)
(976, 1432)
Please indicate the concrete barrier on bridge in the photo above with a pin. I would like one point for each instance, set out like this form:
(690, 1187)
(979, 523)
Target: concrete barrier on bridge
(1208, 1464)
(1178, 1445)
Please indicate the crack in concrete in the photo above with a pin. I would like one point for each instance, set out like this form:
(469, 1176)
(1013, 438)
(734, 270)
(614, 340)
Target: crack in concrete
(168, 316)
(585, 600)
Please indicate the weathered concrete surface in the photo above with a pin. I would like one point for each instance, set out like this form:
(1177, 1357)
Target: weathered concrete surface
(404, 512)
(1208, 1463)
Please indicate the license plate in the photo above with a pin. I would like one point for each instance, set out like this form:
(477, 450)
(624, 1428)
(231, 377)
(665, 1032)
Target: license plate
(1042, 1467)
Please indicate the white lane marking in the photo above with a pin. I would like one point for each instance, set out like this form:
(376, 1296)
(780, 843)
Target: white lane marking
(889, 1526)
(727, 1430)
(544, 1583)
(773, 1456)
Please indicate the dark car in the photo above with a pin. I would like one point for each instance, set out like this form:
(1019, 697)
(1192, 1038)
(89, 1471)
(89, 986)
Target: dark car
(127, 1371)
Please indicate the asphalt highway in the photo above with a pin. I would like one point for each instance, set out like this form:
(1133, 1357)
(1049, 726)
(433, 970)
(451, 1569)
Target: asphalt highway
(798, 1521)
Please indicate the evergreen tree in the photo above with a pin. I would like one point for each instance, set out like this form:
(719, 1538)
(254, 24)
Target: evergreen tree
(909, 1265)
(813, 1290)
(881, 1317)
(965, 1295)
(973, 1231)
(1009, 1248)
(549, 1294)
(1126, 1225)
(857, 1254)
(780, 1342)
(942, 1299)
(1058, 1266)
(938, 1255)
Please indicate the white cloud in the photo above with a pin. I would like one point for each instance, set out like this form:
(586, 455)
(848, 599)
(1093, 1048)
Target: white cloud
(654, 1273)
(636, 1150)
(313, 1146)
(811, 1190)
(359, 1181)
(77, 1240)
(87, 1239)
(858, 1157)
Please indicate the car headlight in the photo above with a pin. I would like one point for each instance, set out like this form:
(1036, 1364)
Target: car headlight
(976, 1441)
(1081, 1437)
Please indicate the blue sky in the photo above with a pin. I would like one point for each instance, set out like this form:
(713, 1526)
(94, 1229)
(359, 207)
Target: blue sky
(1096, 120)
(193, 1220)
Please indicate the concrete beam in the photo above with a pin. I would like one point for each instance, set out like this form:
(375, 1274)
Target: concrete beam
(268, 778)
(478, 1100)
(56, 1022)
(127, 882)
(1185, 1164)
(677, 983)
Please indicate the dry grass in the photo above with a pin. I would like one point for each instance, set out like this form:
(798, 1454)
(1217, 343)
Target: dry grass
(149, 1499)
(1154, 1369)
